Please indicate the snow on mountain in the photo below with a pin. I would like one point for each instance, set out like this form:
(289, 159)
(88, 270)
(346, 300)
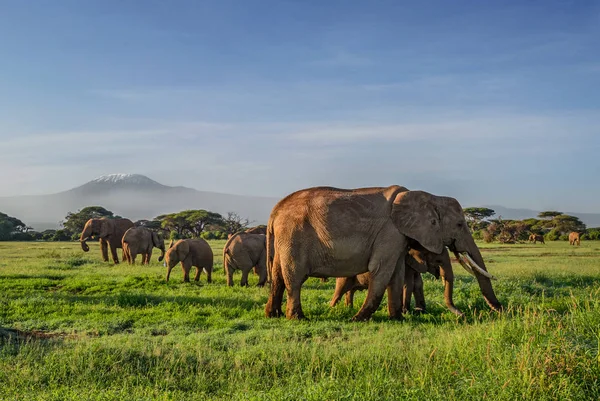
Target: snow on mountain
(124, 178)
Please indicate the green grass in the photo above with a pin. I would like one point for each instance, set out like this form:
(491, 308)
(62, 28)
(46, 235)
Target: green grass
(95, 331)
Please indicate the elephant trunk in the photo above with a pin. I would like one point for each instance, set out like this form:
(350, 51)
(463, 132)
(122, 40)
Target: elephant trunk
(84, 246)
(485, 284)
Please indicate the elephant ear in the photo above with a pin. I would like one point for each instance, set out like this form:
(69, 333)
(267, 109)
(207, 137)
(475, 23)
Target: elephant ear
(183, 250)
(105, 228)
(157, 241)
(415, 215)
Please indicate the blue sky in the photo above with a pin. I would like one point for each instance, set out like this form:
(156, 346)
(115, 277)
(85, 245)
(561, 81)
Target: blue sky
(489, 102)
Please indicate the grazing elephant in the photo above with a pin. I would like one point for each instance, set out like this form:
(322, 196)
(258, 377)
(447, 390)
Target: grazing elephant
(244, 251)
(141, 240)
(331, 232)
(536, 238)
(190, 252)
(574, 238)
(110, 232)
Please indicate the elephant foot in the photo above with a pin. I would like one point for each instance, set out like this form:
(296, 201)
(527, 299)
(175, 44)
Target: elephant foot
(277, 312)
(361, 317)
(419, 311)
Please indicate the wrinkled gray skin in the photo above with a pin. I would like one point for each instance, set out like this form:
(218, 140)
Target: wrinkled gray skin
(140, 241)
(331, 232)
(190, 252)
(109, 231)
(245, 251)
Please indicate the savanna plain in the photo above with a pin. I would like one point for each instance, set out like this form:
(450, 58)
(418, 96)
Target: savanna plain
(88, 330)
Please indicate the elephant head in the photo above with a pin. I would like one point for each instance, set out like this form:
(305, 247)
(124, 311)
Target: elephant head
(178, 252)
(436, 222)
(95, 227)
(159, 242)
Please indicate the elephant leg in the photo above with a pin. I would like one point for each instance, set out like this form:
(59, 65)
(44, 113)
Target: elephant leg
(419, 294)
(407, 290)
(208, 275)
(262, 272)
(273, 307)
(383, 264)
(342, 286)
(198, 271)
(132, 256)
(245, 273)
(113, 251)
(104, 250)
(186, 271)
(148, 257)
(294, 304)
(168, 273)
(229, 270)
(349, 299)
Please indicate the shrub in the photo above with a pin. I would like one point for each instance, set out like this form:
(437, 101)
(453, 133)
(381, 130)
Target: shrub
(553, 235)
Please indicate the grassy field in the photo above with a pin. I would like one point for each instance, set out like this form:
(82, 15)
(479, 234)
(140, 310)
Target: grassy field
(95, 331)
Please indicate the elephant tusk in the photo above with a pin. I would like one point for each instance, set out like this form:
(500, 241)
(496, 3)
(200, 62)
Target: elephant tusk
(464, 264)
(479, 269)
(165, 263)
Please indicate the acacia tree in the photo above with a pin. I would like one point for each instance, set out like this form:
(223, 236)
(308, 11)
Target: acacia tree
(189, 222)
(549, 214)
(475, 215)
(74, 222)
(10, 225)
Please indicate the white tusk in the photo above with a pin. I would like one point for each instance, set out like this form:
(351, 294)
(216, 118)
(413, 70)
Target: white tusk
(465, 264)
(479, 269)
(164, 264)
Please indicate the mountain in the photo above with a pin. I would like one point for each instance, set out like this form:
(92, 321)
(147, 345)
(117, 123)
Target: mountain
(133, 196)
(590, 219)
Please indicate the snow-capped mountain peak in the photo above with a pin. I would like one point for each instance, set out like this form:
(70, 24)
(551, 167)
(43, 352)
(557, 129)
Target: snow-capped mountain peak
(123, 179)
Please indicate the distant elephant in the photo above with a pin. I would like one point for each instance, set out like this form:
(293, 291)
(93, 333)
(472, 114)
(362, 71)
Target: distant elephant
(141, 240)
(417, 262)
(244, 251)
(574, 238)
(190, 252)
(110, 232)
(536, 238)
(331, 232)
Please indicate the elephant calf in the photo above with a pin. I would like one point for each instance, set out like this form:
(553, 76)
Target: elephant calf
(245, 251)
(141, 240)
(417, 262)
(574, 238)
(190, 252)
(536, 238)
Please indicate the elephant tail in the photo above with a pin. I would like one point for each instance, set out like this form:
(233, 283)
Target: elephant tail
(270, 249)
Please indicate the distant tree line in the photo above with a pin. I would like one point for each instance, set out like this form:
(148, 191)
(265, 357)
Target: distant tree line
(553, 225)
(185, 224)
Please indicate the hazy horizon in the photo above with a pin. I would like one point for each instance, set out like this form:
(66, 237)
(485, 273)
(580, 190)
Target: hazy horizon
(494, 104)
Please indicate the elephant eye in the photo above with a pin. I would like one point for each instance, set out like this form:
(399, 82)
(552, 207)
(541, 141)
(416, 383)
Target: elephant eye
(433, 222)
(460, 224)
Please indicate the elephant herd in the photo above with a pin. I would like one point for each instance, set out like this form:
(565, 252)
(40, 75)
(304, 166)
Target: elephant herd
(574, 238)
(379, 239)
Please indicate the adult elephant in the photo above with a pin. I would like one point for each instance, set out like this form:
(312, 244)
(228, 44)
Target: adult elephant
(245, 251)
(190, 252)
(417, 262)
(110, 233)
(536, 238)
(332, 232)
(140, 241)
(257, 230)
(574, 238)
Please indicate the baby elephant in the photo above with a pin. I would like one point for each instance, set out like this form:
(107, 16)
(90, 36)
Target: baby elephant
(417, 262)
(536, 238)
(574, 238)
(190, 252)
(140, 241)
(245, 251)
